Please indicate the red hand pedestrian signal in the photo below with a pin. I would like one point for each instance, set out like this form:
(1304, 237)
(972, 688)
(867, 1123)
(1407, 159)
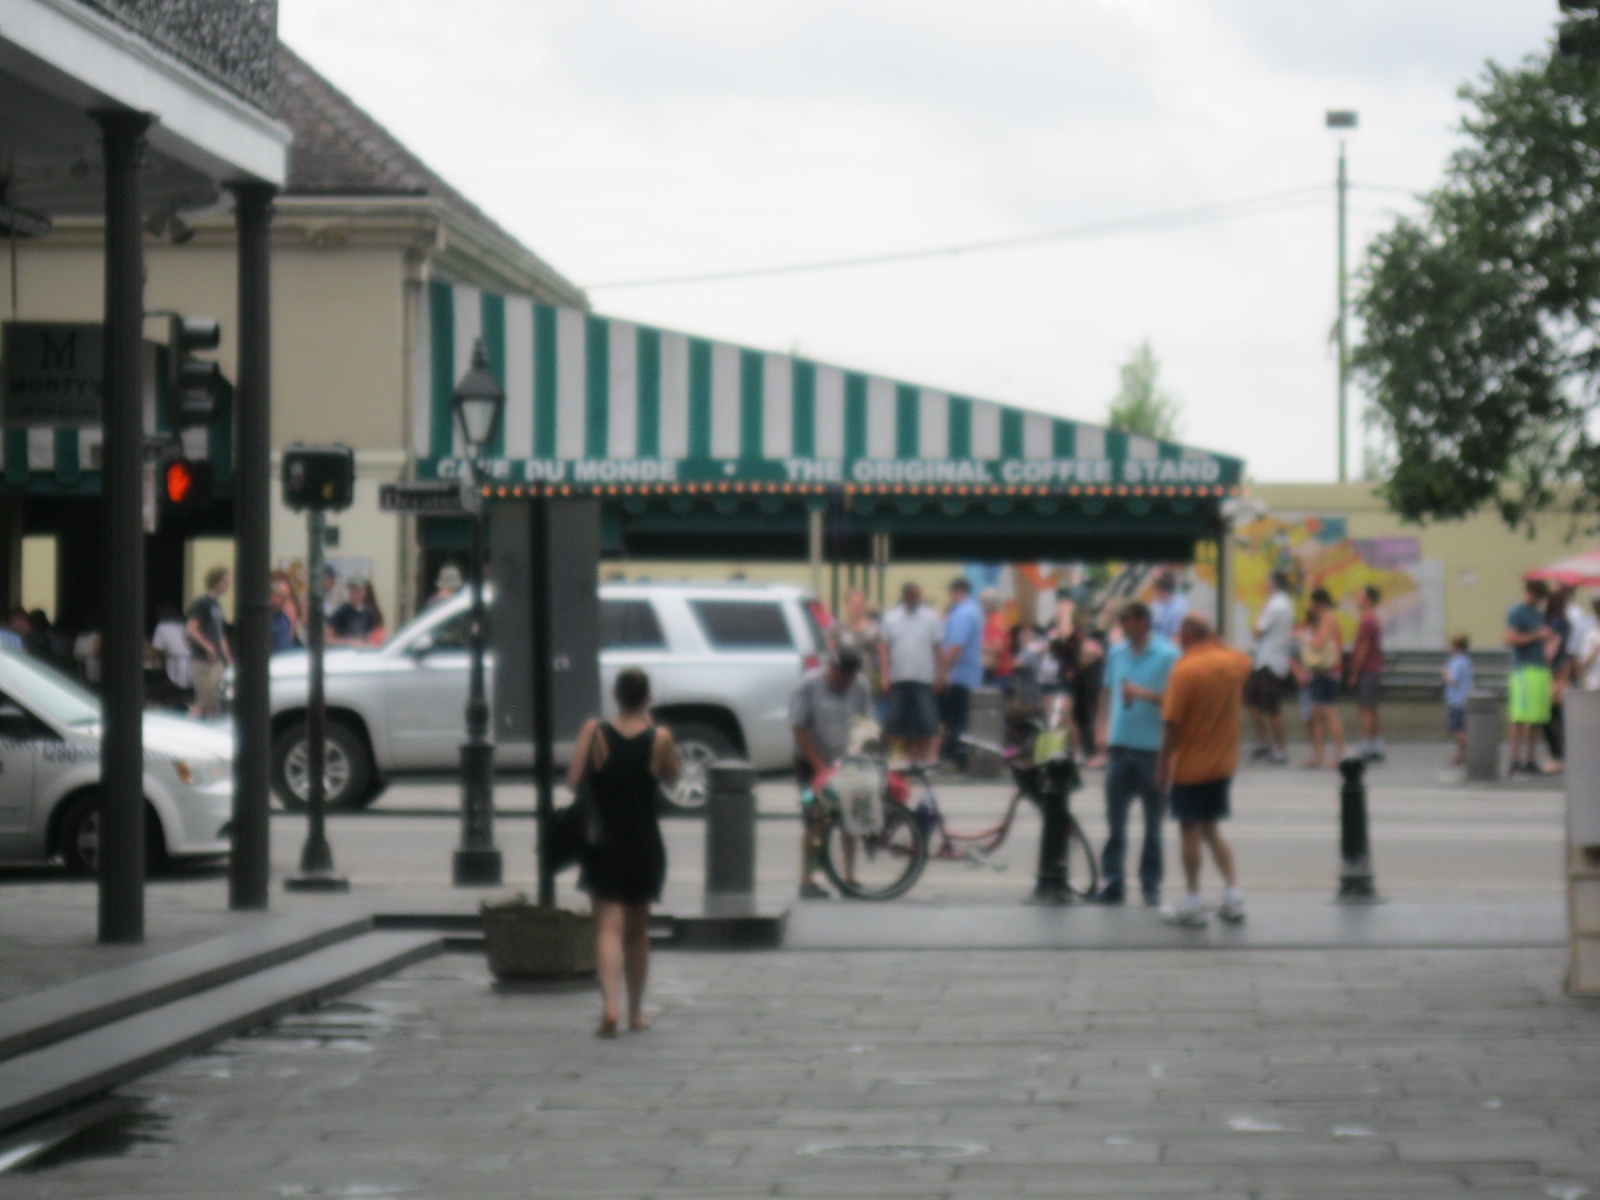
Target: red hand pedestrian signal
(180, 480)
(185, 486)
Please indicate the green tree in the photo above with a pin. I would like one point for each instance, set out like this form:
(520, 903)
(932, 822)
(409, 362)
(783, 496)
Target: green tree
(1482, 315)
(1140, 406)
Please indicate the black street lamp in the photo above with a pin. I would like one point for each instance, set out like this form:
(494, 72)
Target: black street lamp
(478, 402)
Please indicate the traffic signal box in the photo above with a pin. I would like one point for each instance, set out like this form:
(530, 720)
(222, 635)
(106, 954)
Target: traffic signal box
(319, 477)
(194, 383)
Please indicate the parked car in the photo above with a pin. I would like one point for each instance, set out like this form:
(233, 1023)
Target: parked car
(723, 660)
(50, 730)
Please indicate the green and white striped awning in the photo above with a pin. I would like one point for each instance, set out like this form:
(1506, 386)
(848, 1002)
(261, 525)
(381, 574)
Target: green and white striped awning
(596, 401)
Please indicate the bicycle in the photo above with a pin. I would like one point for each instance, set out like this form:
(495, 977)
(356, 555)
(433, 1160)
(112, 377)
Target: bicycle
(869, 846)
(1043, 783)
(874, 844)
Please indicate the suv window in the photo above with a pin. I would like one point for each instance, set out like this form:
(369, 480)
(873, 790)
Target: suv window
(743, 624)
(630, 624)
(456, 633)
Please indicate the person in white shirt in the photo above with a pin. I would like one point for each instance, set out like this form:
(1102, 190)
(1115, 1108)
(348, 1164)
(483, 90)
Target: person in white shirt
(1269, 676)
(1588, 655)
(912, 667)
(1167, 607)
(1580, 620)
(171, 641)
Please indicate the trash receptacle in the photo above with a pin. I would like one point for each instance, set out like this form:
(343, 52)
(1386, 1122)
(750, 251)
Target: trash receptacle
(1484, 735)
(730, 829)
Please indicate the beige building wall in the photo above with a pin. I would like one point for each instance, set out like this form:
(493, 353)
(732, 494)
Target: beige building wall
(339, 369)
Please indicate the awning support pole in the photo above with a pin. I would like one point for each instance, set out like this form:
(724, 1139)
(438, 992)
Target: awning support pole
(814, 548)
(122, 835)
(880, 557)
(1223, 585)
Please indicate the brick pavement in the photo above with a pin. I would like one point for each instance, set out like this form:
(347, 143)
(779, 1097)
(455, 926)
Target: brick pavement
(962, 1074)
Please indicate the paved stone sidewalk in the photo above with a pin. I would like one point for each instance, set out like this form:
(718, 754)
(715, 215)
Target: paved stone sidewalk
(932, 1074)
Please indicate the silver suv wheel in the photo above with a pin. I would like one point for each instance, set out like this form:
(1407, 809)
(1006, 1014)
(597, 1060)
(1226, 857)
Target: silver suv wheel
(698, 747)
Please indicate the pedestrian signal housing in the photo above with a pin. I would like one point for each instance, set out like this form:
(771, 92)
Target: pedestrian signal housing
(186, 486)
(320, 477)
(195, 383)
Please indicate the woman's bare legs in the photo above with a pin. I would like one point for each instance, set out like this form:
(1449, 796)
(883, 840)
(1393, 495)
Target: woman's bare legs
(636, 960)
(1336, 730)
(610, 921)
(1315, 727)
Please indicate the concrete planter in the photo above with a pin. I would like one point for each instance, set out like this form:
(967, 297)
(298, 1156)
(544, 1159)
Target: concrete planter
(525, 941)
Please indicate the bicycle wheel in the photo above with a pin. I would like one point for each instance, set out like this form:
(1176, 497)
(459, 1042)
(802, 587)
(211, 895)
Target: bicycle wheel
(879, 867)
(1083, 872)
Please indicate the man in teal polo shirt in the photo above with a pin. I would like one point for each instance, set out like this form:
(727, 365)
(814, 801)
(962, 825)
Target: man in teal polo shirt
(1136, 678)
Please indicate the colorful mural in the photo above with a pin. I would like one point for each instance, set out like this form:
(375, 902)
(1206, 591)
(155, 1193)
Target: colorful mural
(1316, 550)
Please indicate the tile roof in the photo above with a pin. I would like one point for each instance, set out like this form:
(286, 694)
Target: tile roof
(340, 150)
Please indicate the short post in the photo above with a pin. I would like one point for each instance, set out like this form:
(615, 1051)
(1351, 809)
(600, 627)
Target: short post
(1484, 735)
(1356, 884)
(730, 832)
(316, 856)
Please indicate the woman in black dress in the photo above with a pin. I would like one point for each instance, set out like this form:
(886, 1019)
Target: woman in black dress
(627, 758)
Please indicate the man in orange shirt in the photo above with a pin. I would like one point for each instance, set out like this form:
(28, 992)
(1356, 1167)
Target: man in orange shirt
(1199, 754)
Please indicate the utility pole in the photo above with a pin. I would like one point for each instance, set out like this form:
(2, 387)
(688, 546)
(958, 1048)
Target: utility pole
(1343, 119)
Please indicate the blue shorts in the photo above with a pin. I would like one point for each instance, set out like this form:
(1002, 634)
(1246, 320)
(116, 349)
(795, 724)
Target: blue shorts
(1455, 720)
(1324, 689)
(1193, 803)
(912, 714)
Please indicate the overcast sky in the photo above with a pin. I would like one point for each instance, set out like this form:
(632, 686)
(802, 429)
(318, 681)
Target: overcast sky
(635, 139)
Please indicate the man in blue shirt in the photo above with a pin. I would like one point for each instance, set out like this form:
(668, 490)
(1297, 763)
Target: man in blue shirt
(1136, 678)
(961, 666)
(1529, 687)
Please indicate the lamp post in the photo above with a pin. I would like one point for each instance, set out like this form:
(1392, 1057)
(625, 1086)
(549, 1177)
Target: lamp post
(478, 403)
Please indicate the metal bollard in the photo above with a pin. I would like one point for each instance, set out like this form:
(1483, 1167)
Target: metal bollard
(1484, 734)
(1356, 884)
(730, 829)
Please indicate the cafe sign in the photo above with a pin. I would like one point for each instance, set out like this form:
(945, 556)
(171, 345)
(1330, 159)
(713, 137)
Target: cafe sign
(54, 373)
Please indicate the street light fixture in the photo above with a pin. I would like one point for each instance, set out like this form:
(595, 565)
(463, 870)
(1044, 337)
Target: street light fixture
(478, 402)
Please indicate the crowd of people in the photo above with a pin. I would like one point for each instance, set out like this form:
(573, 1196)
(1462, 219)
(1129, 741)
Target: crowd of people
(1309, 660)
(1146, 690)
(191, 651)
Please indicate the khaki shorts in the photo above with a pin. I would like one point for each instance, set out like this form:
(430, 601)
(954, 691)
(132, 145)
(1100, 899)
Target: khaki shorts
(207, 683)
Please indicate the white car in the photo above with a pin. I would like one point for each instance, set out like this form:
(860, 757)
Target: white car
(50, 774)
(723, 661)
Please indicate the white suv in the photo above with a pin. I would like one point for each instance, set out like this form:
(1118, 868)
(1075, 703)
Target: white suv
(723, 661)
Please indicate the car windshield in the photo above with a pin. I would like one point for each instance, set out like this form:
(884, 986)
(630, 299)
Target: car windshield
(62, 700)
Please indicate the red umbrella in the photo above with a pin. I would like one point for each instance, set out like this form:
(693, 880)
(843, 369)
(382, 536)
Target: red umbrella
(1581, 570)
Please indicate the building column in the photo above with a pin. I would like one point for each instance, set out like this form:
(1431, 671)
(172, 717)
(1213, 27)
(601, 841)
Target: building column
(122, 834)
(249, 867)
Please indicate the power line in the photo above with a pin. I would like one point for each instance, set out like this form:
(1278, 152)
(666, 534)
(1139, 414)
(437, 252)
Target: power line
(1388, 187)
(1249, 206)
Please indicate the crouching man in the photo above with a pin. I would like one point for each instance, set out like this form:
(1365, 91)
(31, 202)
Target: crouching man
(826, 702)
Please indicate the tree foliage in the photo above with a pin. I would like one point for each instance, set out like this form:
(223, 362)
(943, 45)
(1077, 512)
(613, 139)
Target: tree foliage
(1480, 348)
(1140, 406)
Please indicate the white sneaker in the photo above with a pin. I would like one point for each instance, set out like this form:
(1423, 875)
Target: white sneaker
(1187, 917)
(1231, 911)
